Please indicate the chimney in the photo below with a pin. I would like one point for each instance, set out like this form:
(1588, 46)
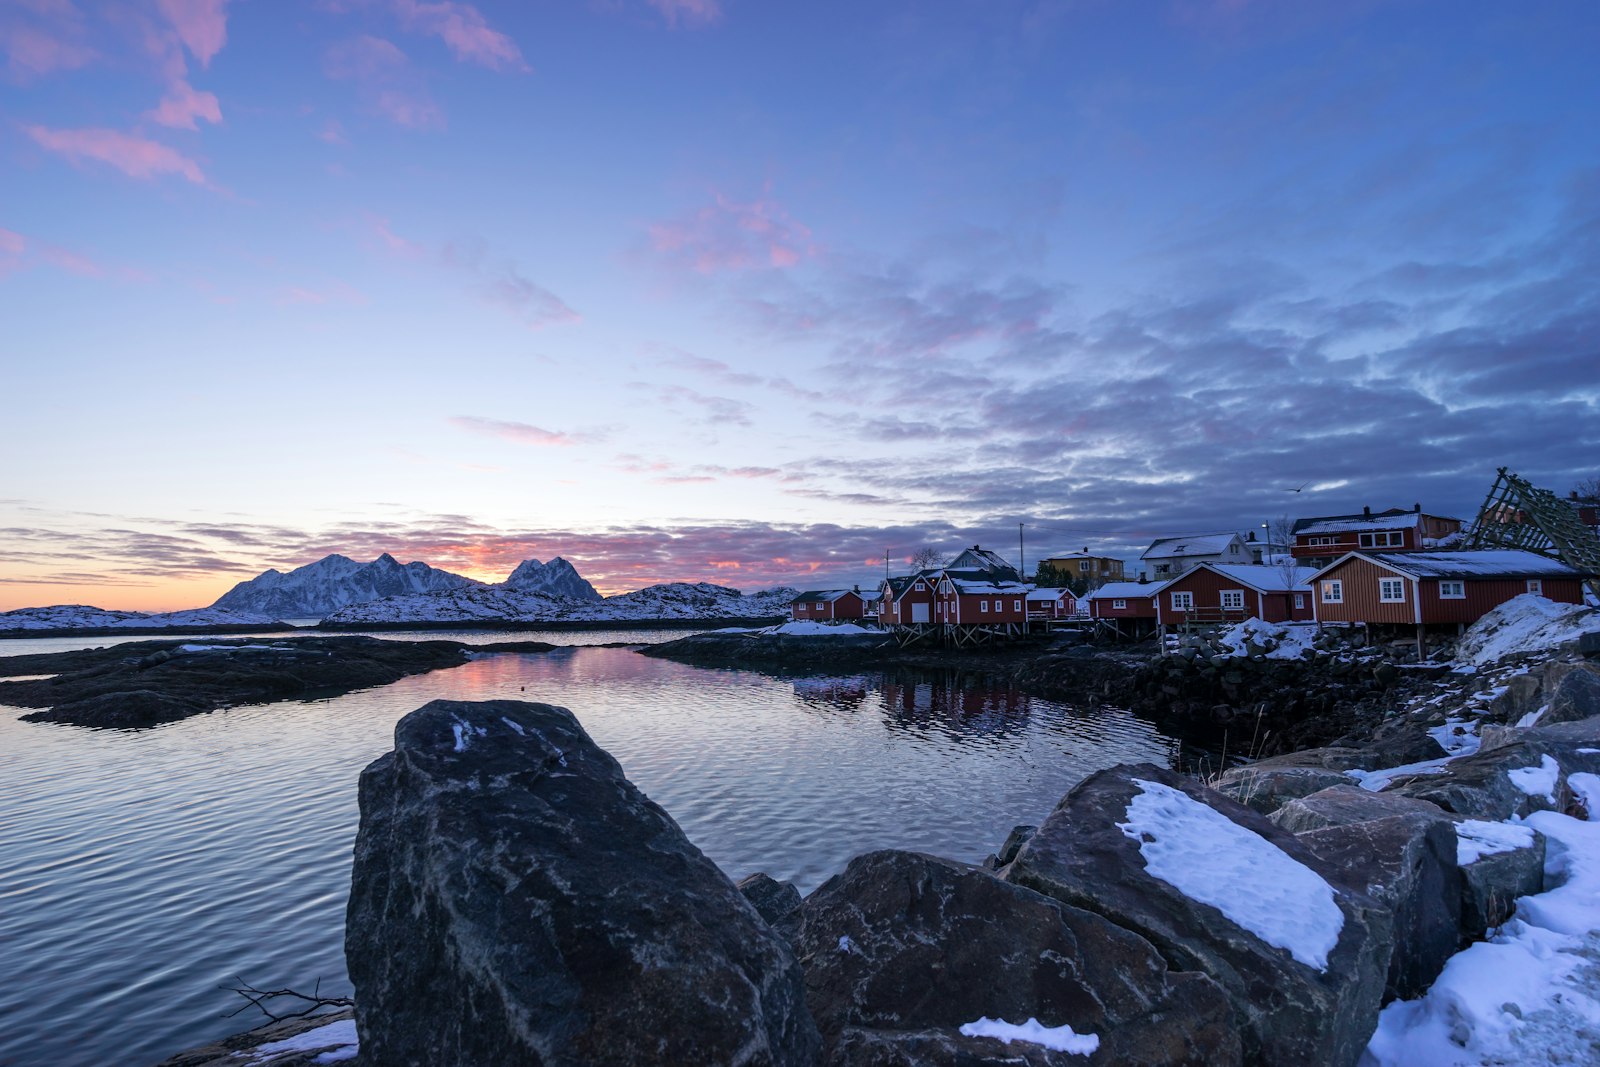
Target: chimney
(1086, 547)
(1366, 511)
(1417, 508)
(1574, 494)
(1252, 536)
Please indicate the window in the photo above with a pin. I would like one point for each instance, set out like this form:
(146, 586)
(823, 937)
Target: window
(1233, 599)
(1536, 585)
(920, 587)
(819, 607)
(983, 605)
(1452, 590)
(1016, 605)
(1299, 601)
(1182, 601)
(1119, 605)
(1385, 539)
(1333, 591)
(1391, 590)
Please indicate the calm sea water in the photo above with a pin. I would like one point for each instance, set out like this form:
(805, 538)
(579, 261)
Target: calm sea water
(139, 871)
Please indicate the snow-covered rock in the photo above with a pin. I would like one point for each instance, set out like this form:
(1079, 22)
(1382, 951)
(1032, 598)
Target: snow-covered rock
(558, 578)
(83, 617)
(1524, 625)
(334, 582)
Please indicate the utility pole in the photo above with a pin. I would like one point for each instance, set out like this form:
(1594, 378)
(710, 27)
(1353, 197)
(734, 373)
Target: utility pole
(1022, 564)
(886, 564)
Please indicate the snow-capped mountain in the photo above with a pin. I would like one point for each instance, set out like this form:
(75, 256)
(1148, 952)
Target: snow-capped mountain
(675, 600)
(83, 617)
(333, 582)
(558, 578)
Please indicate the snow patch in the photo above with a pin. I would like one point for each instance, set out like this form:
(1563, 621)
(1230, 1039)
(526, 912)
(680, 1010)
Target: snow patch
(1476, 839)
(1377, 780)
(339, 1037)
(1285, 640)
(1060, 1038)
(1209, 858)
(1458, 737)
(1524, 624)
(808, 628)
(1538, 781)
(515, 726)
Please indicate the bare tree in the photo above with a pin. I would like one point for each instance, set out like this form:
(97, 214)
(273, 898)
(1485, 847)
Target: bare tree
(925, 557)
(1280, 531)
(1588, 489)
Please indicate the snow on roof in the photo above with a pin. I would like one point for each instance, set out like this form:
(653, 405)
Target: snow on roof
(964, 586)
(1384, 520)
(1049, 594)
(1204, 544)
(1267, 579)
(1485, 563)
(825, 594)
(1126, 590)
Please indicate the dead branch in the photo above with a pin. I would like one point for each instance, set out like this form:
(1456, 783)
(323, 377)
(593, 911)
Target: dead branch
(303, 1003)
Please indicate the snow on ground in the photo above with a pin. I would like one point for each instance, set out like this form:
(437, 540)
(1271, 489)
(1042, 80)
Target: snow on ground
(1377, 780)
(1527, 995)
(1060, 1038)
(1458, 737)
(1283, 640)
(1538, 781)
(1476, 839)
(83, 617)
(808, 628)
(339, 1038)
(1524, 624)
(1209, 858)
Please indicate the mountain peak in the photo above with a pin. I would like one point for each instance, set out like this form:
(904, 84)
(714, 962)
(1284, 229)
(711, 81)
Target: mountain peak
(556, 578)
(333, 582)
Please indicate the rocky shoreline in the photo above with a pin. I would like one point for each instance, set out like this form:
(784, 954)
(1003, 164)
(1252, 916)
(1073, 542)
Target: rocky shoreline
(146, 683)
(1264, 917)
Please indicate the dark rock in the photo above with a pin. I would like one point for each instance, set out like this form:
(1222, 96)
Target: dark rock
(1492, 884)
(1266, 789)
(940, 1048)
(1014, 841)
(1346, 804)
(776, 902)
(1289, 1012)
(1520, 697)
(1336, 758)
(1577, 696)
(515, 899)
(905, 942)
(241, 1050)
(1478, 786)
(1407, 862)
(130, 710)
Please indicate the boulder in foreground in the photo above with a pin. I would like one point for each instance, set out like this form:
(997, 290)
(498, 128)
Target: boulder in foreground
(516, 900)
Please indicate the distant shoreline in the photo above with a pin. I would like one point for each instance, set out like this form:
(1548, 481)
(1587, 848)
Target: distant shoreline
(485, 625)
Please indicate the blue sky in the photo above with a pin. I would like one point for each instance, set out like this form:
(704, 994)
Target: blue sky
(755, 293)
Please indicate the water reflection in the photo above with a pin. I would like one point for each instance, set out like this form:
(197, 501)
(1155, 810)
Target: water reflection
(140, 871)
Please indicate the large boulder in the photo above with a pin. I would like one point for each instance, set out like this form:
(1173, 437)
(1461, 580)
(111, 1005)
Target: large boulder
(1576, 696)
(516, 900)
(1346, 804)
(778, 903)
(1491, 785)
(1520, 696)
(901, 950)
(1266, 789)
(1408, 862)
(1217, 888)
(1493, 879)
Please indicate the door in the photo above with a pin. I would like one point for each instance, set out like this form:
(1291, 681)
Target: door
(919, 613)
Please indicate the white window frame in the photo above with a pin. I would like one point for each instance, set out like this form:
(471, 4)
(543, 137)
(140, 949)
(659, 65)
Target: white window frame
(1333, 591)
(1536, 585)
(1229, 594)
(1016, 605)
(1388, 588)
(983, 606)
(1182, 601)
(1299, 601)
(1119, 605)
(1452, 589)
(919, 587)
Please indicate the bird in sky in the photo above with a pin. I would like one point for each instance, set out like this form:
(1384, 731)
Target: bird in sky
(1301, 486)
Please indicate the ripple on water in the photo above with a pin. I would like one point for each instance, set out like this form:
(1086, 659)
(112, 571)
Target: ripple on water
(143, 870)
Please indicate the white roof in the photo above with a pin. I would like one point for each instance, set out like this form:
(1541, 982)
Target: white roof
(1262, 577)
(1126, 590)
(1205, 544)
(1408, 521)
(1049, 594)
(963, 586)
(1486, 563)
(826, 594)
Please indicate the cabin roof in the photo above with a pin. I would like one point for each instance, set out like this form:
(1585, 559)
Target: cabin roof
(1202, 544)
(1483, 563)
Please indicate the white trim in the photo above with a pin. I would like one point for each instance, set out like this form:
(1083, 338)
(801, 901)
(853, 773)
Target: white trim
(1332, 590)
(1536, 585)
(1187, 603)
(1396, 595)
(1460, 592)
(1226, 593)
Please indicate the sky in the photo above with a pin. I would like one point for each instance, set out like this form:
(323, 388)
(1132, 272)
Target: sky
(761, 293)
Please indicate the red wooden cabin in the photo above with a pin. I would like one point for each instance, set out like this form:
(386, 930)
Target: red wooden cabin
(828, 605)
(1433, 588)
(1321, 540)
(1221, 592)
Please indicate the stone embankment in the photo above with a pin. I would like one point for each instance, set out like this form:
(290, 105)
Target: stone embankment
(516, 900)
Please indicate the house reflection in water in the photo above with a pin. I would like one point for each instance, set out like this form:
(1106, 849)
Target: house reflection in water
(963, 704)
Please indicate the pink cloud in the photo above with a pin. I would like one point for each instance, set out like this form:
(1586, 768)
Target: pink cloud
(31, 52)
(18, 252)
(464, 31)
(517, 432)
(182, 105)
(71, 262)
(729, 235)
(202, 25)
(386, 80)
(393, 241)
(136, 157)
(332, 132)
(688, 11)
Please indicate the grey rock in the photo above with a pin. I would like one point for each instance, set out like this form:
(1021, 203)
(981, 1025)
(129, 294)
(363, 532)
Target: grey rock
(1014, 841)
(1408, 862)
(1491, 885)
(515, 899)
(1334, 758)
(1287, 1012)
(1576, 696)
(1346, 804)
(1266, 789)
(778, 903)
(1478, 787)
(901, 942)
(1520, 697)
